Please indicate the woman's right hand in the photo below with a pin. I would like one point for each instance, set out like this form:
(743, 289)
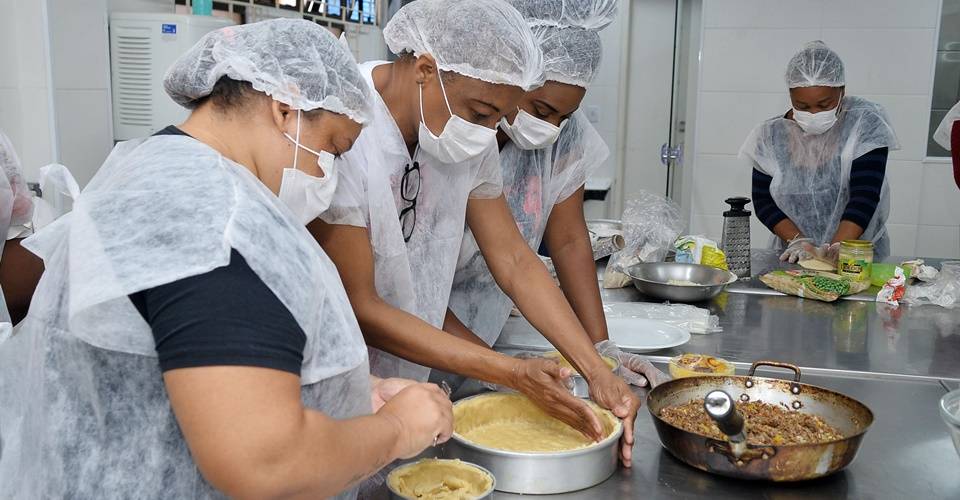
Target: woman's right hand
(544, 382)
(423, 415)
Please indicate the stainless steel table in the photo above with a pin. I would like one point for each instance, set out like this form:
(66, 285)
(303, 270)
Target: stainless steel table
(898, 361)
(844, 336)
(906, 454)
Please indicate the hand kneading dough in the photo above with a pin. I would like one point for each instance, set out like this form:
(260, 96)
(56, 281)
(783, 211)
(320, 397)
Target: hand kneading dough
(440, 480)
(512, 422)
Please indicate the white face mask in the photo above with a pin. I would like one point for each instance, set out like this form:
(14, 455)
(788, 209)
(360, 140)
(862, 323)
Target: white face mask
(530, 132)
(459, 141)
(817, 123)
(305, 195)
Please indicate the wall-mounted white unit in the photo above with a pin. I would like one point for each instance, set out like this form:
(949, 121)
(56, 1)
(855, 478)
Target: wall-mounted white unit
(142, 47)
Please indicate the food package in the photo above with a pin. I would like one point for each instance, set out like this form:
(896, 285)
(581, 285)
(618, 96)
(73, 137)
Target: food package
(651, 223)
(818, 285)
(700, 250)
(894, 288)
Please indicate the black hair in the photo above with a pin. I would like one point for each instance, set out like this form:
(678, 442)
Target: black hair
(227, 94)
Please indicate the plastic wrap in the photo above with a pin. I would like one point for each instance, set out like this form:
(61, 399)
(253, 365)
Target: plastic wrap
(691, 318)
(651, 223)
(943, 291)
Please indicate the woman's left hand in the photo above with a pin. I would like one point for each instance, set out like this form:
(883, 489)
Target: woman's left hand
(383, 389)
(612, 393)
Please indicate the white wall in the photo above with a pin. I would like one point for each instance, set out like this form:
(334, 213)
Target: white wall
(80, 62)
(55, 78)
(601, 104)
(888, 49)
(25, 108)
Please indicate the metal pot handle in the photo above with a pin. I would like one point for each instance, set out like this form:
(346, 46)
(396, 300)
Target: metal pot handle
(777, 364)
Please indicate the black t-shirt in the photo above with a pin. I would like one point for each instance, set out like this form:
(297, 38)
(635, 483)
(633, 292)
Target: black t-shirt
(227, 316)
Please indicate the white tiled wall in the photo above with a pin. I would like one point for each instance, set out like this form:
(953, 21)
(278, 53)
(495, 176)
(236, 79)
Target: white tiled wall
(80, 61)
(601, 103)
(24, 90)
(888, 50)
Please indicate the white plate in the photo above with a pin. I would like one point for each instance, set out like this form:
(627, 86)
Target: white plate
(631, 334)
(645, 335)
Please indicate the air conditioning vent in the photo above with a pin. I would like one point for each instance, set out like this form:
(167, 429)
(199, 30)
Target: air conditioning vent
(142, 47)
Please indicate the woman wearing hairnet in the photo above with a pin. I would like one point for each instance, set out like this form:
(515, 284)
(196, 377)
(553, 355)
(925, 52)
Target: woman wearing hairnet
(19, 269)
(819, 170)
(426, 165)
(947, 136)
(547, 151)
(191, 339)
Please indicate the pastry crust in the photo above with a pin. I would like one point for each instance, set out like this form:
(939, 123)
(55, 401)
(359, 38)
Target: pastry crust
(433, 479)
(511, 422)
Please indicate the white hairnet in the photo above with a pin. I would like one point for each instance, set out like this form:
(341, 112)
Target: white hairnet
(483, 39)
(815, 65)
(567, 33)
(570, 55)
(293, 61)
(587, 14)
(942, 134)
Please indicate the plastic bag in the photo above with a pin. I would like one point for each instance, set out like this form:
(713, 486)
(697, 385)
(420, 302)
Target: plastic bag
(943, 291)
(894, 289)
(691, 318)
(651, 223)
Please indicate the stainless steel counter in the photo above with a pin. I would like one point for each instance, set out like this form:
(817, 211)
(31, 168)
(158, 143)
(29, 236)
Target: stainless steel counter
(848, 336)
(907, 453)
(898, 361)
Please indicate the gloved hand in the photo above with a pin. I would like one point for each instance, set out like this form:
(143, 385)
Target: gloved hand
(828, 253)
(795, 250)
(635, 369)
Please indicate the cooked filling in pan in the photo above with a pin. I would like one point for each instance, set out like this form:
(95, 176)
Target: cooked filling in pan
(767, 424)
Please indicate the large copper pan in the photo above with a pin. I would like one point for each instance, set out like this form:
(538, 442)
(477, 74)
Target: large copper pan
(777, 463)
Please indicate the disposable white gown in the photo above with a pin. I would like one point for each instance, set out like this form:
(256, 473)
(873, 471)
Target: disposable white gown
(84, 411)
(811, 173)
(415, 276)
(16, 207)
(533, 183)
(942, 134)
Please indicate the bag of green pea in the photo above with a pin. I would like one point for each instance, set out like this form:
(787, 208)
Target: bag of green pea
(819, 285)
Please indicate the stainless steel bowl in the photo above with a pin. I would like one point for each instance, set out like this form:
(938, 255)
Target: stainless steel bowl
(541, 473)
(950, 411)
(395, 495)
(652, 279)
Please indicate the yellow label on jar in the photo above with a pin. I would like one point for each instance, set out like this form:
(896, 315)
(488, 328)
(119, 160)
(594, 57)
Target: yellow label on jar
(854, 268)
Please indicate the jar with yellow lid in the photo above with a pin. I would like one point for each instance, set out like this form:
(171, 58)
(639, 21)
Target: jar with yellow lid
(855, 260)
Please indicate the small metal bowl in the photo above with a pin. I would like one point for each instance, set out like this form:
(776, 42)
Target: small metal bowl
(395, 495)
(581, 388)
(652, 279)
